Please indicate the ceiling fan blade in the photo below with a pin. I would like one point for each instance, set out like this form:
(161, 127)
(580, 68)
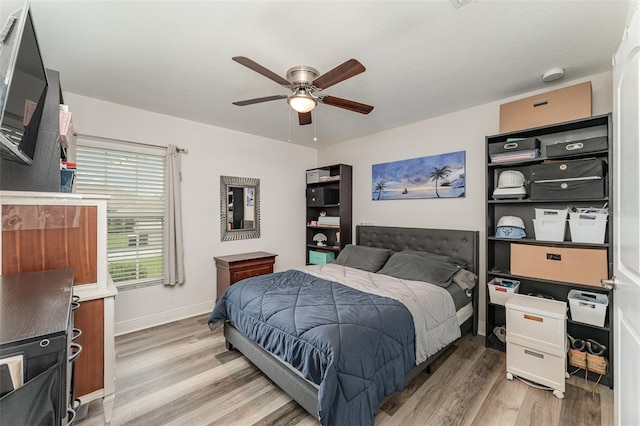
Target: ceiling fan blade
(340, 73)
(346, 104)
(304, 118)
(258, 100)
(261, 70)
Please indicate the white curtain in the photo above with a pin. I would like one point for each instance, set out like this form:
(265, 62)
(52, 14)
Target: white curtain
(174, 250)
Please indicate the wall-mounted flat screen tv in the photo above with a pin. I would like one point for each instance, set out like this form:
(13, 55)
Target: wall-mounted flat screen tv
(24, 84)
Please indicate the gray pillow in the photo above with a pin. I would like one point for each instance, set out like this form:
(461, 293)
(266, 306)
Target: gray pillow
(361, 257)
(442, 257)
(409, 266)
(466, 280)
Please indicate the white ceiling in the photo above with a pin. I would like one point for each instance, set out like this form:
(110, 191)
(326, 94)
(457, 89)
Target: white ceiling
(423, 58)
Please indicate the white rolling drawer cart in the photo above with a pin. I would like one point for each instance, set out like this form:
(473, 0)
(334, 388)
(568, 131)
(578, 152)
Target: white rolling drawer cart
(536, 341)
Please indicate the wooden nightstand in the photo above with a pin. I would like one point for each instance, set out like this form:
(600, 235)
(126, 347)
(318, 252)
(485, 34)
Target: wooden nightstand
(236, 267)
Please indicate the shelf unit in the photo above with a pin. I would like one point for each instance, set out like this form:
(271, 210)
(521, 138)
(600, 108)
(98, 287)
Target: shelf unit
(343, 209)
(499, 249)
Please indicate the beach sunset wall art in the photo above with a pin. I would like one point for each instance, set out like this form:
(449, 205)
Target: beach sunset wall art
(436, 176)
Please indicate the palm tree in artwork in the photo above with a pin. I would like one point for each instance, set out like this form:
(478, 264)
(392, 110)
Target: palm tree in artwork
(379, 187)
(439, 173)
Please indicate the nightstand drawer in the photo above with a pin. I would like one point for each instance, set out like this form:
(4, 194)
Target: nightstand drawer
(233, 268)
(538, 366)
(241, 275)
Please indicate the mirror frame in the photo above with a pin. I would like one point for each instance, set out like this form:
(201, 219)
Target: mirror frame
(238, 234)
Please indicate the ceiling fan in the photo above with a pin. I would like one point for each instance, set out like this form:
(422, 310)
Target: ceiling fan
(304, 82)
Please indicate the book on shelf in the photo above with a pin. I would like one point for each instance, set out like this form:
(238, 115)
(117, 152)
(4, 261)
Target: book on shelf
(11, 374)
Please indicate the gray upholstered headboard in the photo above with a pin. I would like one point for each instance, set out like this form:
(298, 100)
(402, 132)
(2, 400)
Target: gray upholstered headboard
(461, 244)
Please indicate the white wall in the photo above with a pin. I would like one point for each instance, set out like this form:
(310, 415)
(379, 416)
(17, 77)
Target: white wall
(213, 152)
(280, 167)
(460, 131)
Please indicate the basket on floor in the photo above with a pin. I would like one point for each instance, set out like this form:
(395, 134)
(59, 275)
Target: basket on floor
(597, 364)
(578, 358)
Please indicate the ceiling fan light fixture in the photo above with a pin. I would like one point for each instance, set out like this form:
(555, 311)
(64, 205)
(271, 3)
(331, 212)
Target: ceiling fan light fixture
(301, 101)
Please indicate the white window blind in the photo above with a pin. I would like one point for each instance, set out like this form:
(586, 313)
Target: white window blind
(134, 178)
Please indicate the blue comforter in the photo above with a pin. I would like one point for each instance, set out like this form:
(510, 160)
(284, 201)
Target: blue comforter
(356, 346)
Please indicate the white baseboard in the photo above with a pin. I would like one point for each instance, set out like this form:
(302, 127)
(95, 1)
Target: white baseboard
(482, 326)
(136, 324)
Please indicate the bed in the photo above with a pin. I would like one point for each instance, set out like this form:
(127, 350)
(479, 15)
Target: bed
(347, 384)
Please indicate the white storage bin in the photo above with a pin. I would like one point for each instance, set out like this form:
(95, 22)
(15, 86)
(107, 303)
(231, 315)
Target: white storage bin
(551, 214)
(588, 216)
(587, 231)
(588, 307)
(314, 176)
(549, 229)
(499, 292)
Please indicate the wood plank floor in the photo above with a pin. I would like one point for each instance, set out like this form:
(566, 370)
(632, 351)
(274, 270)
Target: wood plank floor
(182, 374)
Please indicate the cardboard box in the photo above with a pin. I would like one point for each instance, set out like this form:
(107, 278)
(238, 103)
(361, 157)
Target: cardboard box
(556, 106)
(573, 265)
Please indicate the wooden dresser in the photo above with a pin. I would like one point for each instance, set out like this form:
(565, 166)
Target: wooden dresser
(236, 267)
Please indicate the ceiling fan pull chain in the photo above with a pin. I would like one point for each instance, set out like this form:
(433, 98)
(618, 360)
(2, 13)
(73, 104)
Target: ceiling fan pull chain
(315, 125)
(289, 115)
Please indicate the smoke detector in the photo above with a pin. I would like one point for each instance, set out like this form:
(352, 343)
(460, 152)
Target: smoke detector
(553, 74)
(459, 3)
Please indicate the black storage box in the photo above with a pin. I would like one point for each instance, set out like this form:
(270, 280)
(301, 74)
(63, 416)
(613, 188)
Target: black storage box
(511, 146)
(568, 189)
(318, 197)
(568, 169)
(561, 149)
(568, 180)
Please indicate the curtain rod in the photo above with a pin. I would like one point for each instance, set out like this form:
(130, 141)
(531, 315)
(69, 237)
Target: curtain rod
(84, 135)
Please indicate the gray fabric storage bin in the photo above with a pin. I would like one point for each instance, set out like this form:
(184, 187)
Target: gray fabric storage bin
(561, 149)
(568, 180)
(571, 169)
(512, 146)
(568, 189)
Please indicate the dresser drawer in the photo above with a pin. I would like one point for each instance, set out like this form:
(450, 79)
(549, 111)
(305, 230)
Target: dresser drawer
(536, 365)
(253, 272)
(537, 323)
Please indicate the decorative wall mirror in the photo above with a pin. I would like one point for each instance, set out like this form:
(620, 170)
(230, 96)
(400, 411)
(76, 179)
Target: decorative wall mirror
(239, 208)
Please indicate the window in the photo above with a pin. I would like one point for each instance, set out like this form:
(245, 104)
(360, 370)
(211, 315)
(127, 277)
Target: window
(134, 178)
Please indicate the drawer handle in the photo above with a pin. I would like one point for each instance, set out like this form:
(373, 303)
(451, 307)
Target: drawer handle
(535, 354)
(554, 256)
(76, 333)
(532, 318)
(540, 102)
(77, 350)
(74, 306)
